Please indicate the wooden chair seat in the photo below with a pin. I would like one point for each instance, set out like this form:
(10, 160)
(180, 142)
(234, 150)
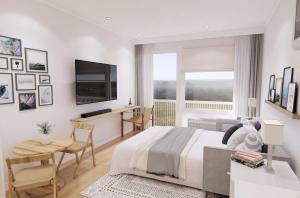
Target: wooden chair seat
(76, 147)
(135, 119)
(33, 177)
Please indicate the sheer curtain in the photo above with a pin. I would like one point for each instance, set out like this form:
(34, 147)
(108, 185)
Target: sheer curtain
(247, 72)
(241, 75)
(144, 75)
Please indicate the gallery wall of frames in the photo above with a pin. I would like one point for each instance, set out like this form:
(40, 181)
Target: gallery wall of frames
(24, 77)
(283, 90)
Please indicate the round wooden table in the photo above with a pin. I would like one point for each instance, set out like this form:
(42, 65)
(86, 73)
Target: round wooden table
(35, 147)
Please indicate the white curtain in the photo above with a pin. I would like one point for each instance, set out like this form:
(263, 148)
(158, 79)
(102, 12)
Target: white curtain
(144, 75)
(241, 75)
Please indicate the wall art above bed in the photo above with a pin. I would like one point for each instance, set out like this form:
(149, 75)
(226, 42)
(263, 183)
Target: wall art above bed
(10, 46)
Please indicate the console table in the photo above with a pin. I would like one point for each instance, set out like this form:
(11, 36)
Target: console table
(113, 112)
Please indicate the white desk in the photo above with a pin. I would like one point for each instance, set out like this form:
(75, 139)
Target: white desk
(246, 182)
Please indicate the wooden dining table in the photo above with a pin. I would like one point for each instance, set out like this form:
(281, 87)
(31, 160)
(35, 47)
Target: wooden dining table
(34, 146)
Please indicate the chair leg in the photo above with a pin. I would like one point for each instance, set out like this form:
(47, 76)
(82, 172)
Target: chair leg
(60, 161)
(134, 128)
(54, 188)
(18, 194)
(76, 169)
(93, 154)
(10, 192)
(76, 154)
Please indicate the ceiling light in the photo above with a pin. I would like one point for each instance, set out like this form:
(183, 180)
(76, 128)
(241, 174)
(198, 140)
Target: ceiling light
(107, 18)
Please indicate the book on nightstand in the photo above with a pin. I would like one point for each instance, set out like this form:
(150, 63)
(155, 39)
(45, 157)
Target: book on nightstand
(250, 159)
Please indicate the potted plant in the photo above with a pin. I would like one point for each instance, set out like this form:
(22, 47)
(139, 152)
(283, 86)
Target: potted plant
(45, 130)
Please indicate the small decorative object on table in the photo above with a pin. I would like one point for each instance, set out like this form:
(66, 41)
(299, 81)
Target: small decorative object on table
(129, 103)
(250, 159)
(45, 130)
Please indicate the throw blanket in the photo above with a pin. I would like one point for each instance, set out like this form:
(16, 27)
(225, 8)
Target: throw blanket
(165, 153)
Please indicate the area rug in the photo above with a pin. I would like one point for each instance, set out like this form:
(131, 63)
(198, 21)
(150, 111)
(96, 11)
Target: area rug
(124, 186)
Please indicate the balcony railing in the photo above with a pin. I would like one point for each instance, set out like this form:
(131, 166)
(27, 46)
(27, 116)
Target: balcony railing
(165, 110)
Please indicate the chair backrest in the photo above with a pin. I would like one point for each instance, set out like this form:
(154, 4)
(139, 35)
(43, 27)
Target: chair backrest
(148, 111)
(84, 127)
(29, 159)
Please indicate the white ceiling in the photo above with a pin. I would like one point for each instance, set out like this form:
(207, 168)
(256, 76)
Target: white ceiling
(151, 19)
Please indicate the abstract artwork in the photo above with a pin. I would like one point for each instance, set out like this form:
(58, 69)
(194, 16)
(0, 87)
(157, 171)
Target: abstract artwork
(27, 101)
(44, 79)
(278, 88)
(45, 95)
(36, 60)
(271, 86)
(287, 78)
(6, 89)
(25, 82)
(3, 63)
(292, 98)
(10, 46)
(16, 64)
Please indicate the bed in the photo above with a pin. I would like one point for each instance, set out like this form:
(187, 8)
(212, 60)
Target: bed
(124, 152)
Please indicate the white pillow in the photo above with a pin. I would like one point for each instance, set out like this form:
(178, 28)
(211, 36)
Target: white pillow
(252, 142)
(239, 136)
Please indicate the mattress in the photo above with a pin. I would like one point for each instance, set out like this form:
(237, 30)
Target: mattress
(194, 159)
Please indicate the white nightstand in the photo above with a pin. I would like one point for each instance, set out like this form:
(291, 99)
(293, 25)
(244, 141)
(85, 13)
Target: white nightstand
(246, 182)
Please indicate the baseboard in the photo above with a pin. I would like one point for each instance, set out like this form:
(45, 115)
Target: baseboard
(97, 149)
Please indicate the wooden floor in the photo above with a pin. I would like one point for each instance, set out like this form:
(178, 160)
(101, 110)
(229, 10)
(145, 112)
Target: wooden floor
(87, 174)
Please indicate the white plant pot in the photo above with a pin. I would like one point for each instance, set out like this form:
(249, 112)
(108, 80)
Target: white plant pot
(45, 139)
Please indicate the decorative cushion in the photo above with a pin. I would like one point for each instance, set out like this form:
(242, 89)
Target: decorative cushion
(239, 136)
(252, 142)
(257, 126)
(230, 131)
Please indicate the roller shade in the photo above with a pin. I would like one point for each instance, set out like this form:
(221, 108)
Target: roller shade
(213, 58)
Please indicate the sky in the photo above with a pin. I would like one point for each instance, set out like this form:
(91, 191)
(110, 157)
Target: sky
(164, 66)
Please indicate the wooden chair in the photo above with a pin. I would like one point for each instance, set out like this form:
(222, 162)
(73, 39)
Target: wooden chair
(80, 146)
(31, 177)
(141, 119)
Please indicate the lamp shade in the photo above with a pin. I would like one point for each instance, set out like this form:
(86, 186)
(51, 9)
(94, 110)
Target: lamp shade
(251, 102)
(272, 132)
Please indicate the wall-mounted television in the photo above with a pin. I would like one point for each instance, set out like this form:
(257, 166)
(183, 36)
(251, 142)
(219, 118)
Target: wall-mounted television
(95, 82)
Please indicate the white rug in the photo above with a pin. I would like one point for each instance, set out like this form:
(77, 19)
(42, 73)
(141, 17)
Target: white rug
(122, 186)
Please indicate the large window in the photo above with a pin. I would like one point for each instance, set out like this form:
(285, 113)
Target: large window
(209, 90)
(164, 75)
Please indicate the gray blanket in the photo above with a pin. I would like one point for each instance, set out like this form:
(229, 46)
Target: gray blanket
(164, 155)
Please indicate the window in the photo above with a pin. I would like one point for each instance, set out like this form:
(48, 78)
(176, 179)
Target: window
(209, 90)
(164, 75)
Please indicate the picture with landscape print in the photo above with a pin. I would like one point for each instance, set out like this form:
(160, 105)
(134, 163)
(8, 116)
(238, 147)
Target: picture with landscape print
(10, 46)
(36, 60)
(27, 101)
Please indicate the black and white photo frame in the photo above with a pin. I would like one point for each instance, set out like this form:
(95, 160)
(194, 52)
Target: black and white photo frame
(45, 95)
(292, 97)
(10, 46)
(36, 60)
(25, 82)
(287, 79)
(44, 79)
(27, 101)
(16, 64)
(271, 86)
(3, 63)
(6, 89)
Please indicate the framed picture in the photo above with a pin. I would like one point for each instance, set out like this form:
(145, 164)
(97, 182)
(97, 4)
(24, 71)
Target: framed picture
(6, 89)
(44, 79)
(36, 60)
(287, 78)
(292, 98)
(27, 101)
(16, 64)
(10, 46)
(3, 63)
(45, 95)
(278, 88)
(271, 86)
(25, 82)
(272, 99)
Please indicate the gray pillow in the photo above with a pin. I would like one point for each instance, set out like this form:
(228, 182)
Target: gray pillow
(239, 136)
(252, 142)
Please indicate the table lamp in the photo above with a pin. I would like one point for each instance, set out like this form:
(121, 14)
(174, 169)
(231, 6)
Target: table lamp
(251, 106)
(272, 134)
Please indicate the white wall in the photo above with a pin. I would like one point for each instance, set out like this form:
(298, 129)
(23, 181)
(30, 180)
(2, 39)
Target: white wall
(279, 53)
(65, 38)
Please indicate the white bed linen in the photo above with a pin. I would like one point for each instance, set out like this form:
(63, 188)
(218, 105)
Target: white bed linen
(194, 159)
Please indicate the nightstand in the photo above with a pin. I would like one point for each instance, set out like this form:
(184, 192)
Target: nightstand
(246, 182)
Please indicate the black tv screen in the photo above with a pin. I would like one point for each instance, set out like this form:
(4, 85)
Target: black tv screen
(95, 82)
